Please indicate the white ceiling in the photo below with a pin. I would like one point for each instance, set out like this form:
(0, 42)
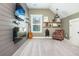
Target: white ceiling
(38, 5)
(65, 9)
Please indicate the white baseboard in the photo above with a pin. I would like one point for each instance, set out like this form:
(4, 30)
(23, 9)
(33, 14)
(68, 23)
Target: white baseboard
(42, 37)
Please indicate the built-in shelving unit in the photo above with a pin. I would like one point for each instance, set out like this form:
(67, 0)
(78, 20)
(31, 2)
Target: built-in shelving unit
(51, 24)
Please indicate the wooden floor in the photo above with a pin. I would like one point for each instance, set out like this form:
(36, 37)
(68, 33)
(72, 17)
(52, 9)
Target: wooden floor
(47, 47)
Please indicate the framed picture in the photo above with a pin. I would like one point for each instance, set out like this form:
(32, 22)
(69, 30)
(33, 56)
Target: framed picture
(46, 19)
(54, 25)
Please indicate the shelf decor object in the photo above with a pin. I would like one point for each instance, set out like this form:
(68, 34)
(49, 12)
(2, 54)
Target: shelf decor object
(55, 23)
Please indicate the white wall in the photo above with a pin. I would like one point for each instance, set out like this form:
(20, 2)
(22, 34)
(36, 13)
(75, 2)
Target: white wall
(44, 12)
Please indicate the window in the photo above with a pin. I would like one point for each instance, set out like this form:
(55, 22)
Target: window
(36, 23)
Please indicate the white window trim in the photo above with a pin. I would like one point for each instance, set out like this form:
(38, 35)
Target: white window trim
(36, 24)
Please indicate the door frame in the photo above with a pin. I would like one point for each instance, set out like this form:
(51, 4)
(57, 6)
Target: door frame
(70, 21)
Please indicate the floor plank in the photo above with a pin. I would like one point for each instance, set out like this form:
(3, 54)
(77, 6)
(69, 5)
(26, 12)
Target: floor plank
(48, 47)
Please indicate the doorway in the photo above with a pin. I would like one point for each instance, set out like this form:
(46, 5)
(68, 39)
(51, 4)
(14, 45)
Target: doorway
(74, 31)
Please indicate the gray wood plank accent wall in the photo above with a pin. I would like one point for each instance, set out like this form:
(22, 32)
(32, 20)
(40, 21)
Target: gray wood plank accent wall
(7, 47)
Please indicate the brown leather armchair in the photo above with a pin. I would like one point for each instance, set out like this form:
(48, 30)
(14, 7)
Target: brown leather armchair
(58, 34)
